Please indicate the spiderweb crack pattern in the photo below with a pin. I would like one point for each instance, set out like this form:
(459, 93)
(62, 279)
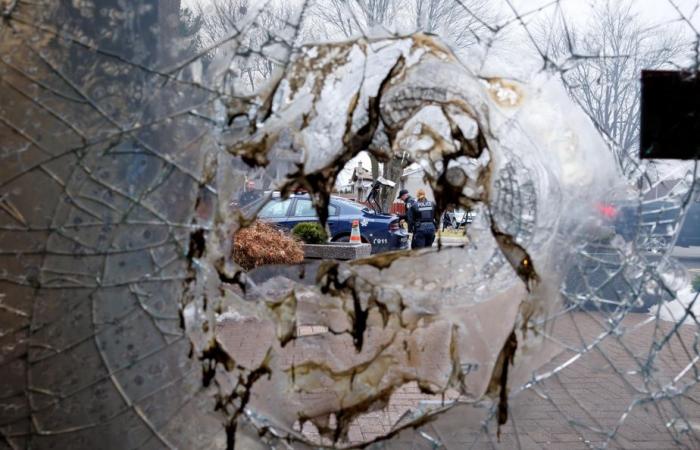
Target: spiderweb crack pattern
(127, 130)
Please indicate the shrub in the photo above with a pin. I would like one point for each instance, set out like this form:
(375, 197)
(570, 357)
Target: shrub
(262, 244)
(696, 283)
(310, 233)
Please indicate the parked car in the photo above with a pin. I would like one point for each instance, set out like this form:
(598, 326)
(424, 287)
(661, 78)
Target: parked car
(654, 220)
(457, 218)
(382, 231)
(600, 270)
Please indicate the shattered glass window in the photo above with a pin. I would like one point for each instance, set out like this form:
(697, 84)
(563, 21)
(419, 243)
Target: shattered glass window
(155, 155)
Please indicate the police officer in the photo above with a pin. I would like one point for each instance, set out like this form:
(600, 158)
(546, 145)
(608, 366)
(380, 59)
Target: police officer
(249, 195)
(407, 201)
(422, 215)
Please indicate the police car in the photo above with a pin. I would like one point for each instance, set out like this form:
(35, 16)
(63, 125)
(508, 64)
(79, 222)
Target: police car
(380, 230)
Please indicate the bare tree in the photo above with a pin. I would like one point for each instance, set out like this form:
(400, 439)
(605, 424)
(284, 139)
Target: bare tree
(608, 57)
(224, 18)
(221, 18)
(462, 23)
(352, 17)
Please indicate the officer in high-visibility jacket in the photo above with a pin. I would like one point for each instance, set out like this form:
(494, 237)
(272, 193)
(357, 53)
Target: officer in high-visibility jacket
(424, 220)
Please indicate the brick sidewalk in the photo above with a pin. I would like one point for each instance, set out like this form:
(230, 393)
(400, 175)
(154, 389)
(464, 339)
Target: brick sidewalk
(579, 407)
(583, 404)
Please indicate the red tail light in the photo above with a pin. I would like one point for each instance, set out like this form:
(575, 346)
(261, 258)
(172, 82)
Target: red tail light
(606, 210)
(394, 226)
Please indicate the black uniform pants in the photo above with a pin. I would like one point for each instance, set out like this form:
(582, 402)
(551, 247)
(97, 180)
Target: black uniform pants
(423, 235)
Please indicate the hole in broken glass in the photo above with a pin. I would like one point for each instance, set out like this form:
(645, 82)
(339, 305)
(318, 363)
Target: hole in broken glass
(339, 340)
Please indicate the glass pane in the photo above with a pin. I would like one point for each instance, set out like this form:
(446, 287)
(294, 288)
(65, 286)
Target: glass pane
(275, 209)
(142, 305)
(304, 208)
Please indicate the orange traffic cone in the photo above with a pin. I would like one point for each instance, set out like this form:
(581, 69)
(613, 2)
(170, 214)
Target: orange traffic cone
(355, 233)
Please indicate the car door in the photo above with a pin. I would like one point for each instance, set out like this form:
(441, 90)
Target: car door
(333, 219)
(277, 212)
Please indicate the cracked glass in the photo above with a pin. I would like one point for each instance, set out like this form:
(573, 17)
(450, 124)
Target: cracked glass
(144, 147)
